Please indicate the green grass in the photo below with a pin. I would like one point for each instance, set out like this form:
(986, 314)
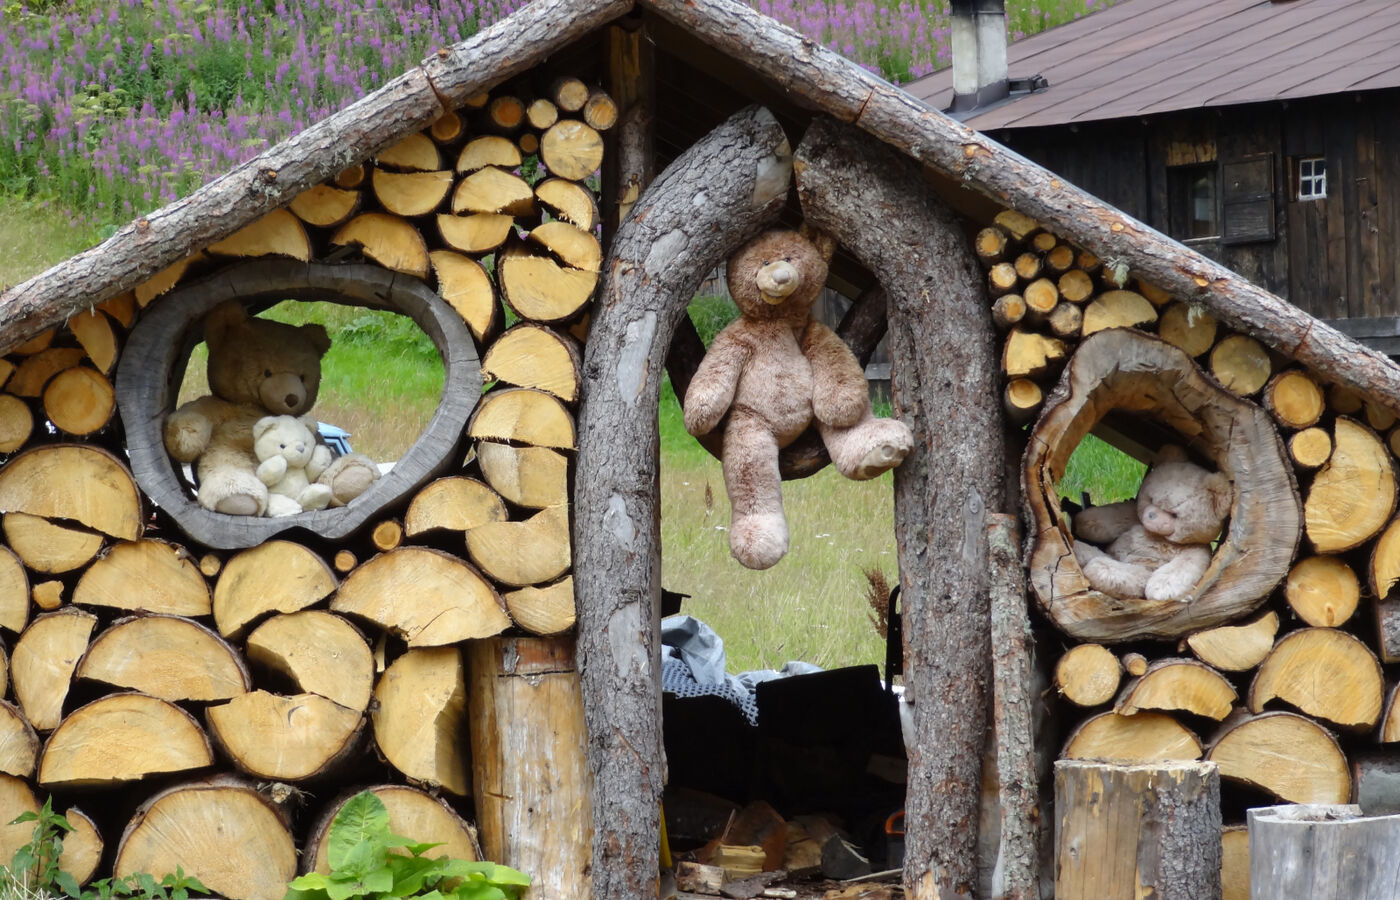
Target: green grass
(35, 235)
(1106, 473)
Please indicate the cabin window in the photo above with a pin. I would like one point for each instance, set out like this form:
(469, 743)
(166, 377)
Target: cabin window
(1193, 201)
(1312, 177)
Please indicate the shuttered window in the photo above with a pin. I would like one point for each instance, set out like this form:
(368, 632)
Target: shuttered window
(1248, 199)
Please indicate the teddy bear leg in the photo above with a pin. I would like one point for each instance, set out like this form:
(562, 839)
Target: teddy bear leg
(758, 533)
(314, 496)
(349, 477)
(1126, 581)
(1174, 580)
(234, 492)
(868, 448)
(279, 505)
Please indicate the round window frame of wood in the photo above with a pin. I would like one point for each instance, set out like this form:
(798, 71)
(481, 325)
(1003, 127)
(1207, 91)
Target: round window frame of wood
(153, 361)
(1131, 371)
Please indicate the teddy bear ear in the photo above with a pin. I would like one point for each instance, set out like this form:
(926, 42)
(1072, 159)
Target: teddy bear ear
(318, 337)
(223, 319)
(1170, 453)
(825, 243)
(261, 426)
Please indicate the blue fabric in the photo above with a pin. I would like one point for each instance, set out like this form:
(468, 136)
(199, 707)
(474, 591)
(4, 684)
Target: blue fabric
(693, 665)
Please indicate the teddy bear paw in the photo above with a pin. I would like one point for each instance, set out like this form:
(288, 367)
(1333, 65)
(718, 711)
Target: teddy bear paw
(278, 506)
(887, 453)
(349, 477)
(759, 541)
(314, 496)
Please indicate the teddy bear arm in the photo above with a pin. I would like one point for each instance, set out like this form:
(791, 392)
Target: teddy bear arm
(1104, 524)
(1126, 581)
(272, 470)
(840, 394)
(189, 429)
(1175, 579)
(712, 389)
(321, 460)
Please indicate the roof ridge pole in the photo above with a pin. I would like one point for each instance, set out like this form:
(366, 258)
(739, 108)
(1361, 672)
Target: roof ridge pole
(709, 201)
(944, 372)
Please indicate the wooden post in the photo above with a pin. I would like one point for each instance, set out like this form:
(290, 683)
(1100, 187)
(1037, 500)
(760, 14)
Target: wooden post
(1128, 832)
(945, 388)
(1323, 851)
(531, 780)
(670, 239)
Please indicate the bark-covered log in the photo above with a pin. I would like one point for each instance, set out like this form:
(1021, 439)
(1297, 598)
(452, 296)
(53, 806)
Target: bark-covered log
(420, 718)
(944, 379)
(278, 576)
(1287, 755)
(1183, 685)
(657, 260)
(319, 652)
(1323, 851)
(1324, 672)
(167, 657)
(122, 738)
(427, 597)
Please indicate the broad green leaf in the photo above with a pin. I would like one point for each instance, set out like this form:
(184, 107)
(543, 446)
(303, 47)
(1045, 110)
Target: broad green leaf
(68, 884)
(379, 881)
(410, 874)
(343, 890)
(362, 819)
(297, 894)
(415, 848)
(506, 875)
(311, 881)
(360, 859)
(479, 890)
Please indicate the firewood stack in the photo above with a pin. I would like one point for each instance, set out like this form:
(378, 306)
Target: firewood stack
(208, 709)
(1294, 699)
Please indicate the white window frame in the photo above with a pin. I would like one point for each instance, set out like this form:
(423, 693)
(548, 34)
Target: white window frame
(1312, 178)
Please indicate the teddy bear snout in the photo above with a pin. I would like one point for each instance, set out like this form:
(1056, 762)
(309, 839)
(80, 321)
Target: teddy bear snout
(777, 280)
(1158, 521)
(284, 394)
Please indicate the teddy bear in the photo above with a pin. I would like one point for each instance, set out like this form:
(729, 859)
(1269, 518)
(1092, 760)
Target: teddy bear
(773, 371)
(289, 462)
(256, 368)
(1158, 544)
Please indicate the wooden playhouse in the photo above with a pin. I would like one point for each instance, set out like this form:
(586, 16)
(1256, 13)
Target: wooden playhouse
(479, 628)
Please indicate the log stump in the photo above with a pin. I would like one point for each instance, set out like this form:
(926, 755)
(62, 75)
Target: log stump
(1323, 851)
(1123, 371)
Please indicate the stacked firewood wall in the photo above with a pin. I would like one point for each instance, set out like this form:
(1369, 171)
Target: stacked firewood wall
(211, 710)
(1296, 701)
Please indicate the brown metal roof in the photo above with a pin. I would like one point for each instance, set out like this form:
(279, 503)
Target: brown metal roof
(1152, 56)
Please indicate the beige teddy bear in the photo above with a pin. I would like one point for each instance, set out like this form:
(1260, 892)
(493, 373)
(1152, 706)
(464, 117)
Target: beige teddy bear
(289, 462)
(256, 367)
(774, 371)
(1158, 544)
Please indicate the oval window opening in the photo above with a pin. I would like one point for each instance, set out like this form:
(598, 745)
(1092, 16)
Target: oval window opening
(402, 372)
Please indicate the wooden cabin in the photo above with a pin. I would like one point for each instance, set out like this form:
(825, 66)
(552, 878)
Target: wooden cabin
(497, 599)
(1262, 135)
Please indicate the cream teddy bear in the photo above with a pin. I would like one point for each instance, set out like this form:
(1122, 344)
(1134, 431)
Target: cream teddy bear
(1159, 544)
(289, 462)
(773, 372)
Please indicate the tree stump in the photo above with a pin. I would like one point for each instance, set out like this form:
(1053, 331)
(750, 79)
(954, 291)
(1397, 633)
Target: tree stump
(1130, 372)
(1138, 831)
(1323, 851)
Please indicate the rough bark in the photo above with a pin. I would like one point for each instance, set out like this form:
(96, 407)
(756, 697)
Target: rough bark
(823, 79)
(661, 252)
(1323, 851)
(944, 380)
(407, 104)
(1138, 831)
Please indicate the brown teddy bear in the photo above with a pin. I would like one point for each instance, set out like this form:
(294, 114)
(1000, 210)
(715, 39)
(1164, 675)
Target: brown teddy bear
(1158, 544)
(774, 371)
(256, 368)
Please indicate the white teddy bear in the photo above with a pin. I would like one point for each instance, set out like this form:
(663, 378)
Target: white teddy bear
(289, 462)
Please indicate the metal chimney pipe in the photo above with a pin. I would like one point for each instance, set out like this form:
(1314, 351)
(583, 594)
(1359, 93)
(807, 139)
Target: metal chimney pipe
(979, 53)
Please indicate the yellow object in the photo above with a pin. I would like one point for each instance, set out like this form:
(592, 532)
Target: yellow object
(665, 844)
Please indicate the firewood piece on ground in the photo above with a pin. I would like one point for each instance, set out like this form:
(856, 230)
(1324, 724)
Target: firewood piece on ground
(1041, 298)
(453, 503)
(1022, 399)
(1183, 685)
(273, 577)
(1324, 672)
(475, 233)
(35, 371)
(569, 93)
(344, 561)
(540, 289)
(600, 111)
(533, 477)
(464, 284)
(1066, 321)
(541, 113)
(76, 482)
(222, 831)
(489, 150)
(1030, 354)
(570, 244)
(1310, 448)
(388, 240)
(48, 595)
(420, 718)
(533, 551)
(1002, 279)
(168, 657)
(412, 812)
(14, 594)
(410, 193)
(122, 308)
(1138, 738)
(1378, 417)
(1188, 327)
(285, 738)
(16, 423)
(387, 535)
(544, 610)
(79, 401)
(1135, 664)
(569, 201)
(526, 416)
(1028, 267)
(1088, 675)
(1386, 609)
(698, 878)
(325, 206)
(16, 797)
(47, 547)
(43, 660)
(493, 190)
(148, 575)
(415, 153)
(1353, 496)
(350, 177)
(1241, 364)
(991, 244)
(19, 743)
(506, 113)
(427, 597)
(1234, 863)
(1059, 259)
(1019, 225)
(1236, 648)
(279, 233)
(1154, 829)
(319, 653)
(1008, 310)
(82, 847)
(1295, 399)
(1284, 754)
(534, 356)
(1323, 590)
(1390, 721)
(119, 739)
(1076, 286)
(1117, 309)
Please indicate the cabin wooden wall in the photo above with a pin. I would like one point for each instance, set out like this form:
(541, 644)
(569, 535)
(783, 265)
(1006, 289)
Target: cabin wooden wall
(1338, 257)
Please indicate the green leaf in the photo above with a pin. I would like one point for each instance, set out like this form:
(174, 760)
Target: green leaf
(342, 890)
(363, 819)
(294, 893)
(415, 848)
(311, 881)
(68, 884)
(379, 881)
